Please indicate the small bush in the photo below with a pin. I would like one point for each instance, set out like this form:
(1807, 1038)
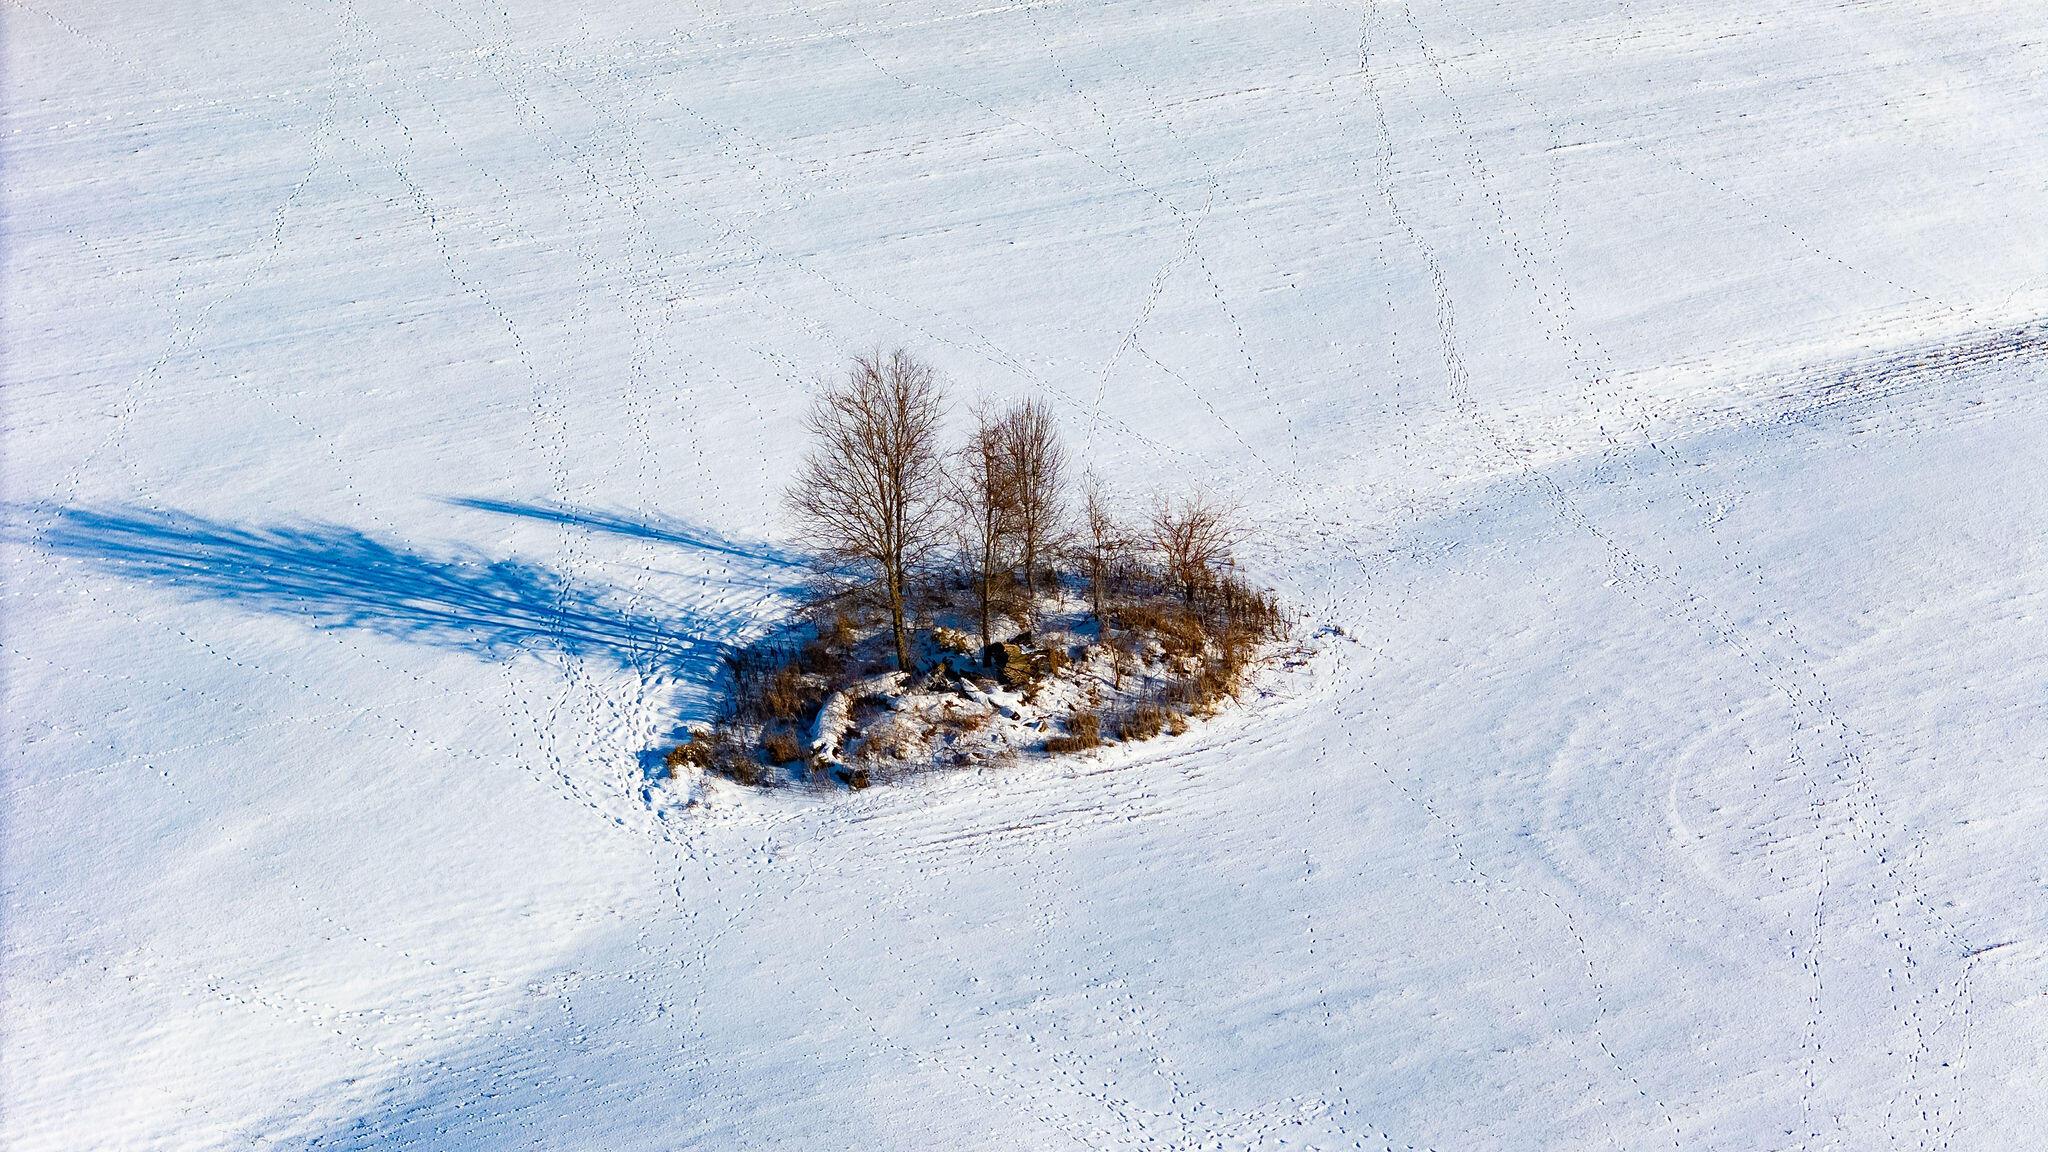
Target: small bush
(1246, 609)
(826, 653)
(696, 752)
(840, 633)
(787, 698)
(953, 640)
(1178, 629)
(718, 752)
(1143, 722)
(1084, 731)
(820, 658)
(1008, 597)
(781, 746)
(730, 759)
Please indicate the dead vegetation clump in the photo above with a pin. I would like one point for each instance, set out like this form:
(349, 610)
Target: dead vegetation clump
(781, 746)
(1177, 629)
(1144, 721)
(696, 752)
(789, 697)
(715, 751)
(1084, 731)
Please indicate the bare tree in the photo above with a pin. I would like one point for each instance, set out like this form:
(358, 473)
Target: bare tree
(1037, 461)
(1101, 544)
(1194, 538)
(983, 490)
(871, 488)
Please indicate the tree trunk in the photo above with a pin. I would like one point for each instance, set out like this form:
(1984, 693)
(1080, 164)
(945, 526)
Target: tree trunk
(1030, 577)
(985, 581)
(896, 621)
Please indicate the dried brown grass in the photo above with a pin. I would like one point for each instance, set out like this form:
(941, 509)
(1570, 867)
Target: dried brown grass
(1084, 731)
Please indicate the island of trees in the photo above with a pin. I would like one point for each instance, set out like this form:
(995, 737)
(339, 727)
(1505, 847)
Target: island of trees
(978, 601)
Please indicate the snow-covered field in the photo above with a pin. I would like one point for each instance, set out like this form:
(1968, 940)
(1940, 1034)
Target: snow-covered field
(396, 398)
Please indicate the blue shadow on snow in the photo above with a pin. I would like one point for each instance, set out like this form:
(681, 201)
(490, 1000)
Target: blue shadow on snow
(340, 577)
(659, 529)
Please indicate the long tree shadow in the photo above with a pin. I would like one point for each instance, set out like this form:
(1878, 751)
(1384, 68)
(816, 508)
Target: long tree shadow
(641, 526)
(341, 577)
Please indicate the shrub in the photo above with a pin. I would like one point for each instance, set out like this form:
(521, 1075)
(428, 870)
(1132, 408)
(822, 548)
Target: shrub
(781, 746)
(730, 759)
(716, 751)
(839, 635)
(1194, 538)
(1177, 628)
(821, 658)
(751, 670)
(953, 640)
(1007, 596)
(696, 752)
(1142, 722)
(735, 765)
(1084, 731)
(1247, 609)
(787, 698)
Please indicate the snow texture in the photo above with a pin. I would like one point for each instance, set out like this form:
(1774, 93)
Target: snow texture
(396, 401)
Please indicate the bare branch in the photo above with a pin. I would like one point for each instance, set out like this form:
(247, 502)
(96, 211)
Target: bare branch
(1037, 462)
(1194, 538)
(983, 490)
(870, 489)
(1102, 544)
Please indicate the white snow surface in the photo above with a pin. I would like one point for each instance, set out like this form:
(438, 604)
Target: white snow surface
(396, 401)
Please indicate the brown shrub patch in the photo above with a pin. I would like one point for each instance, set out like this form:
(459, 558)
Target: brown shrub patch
(781, 746)
(1084, 731)
(787, 697)
(1142, 722)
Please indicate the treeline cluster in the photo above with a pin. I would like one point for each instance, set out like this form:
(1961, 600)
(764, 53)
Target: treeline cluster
(882, 491)
(935, 532)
